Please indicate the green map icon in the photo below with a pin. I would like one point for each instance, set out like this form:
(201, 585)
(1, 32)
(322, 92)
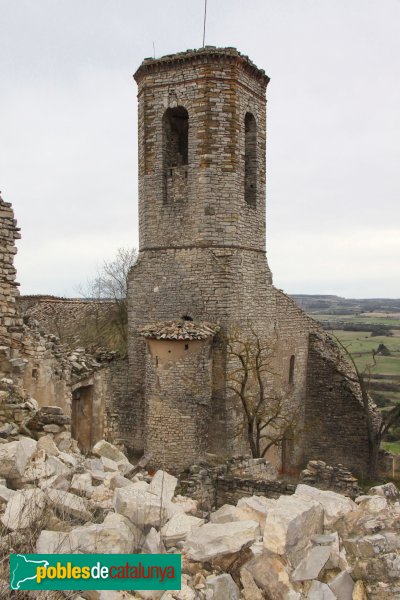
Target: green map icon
(23, 569)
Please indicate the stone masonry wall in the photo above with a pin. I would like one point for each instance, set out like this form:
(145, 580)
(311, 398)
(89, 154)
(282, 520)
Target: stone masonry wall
(336, 426)
(67, 318)
(10, 321)
(119, 416)
(178, 402)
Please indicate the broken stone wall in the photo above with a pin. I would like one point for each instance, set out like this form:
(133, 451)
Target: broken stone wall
(231, 489)
(336, 429)
(11, 331)
(69, 319)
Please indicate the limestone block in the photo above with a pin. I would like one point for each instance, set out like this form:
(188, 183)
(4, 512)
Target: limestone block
(163, 485)
(212, 540)
(52, 428)
(93, 464)
(271, 574)
(223, 587)
(142, 508)
(342, 586)
(187, 504)
(14, 457)
(185, 593)
(116, 535)
(255, 508)
(69, 504)
(332, 541)
(46, 443)
(251, 591)
(153, 543)
(102, 497)
(63, 441)
(68, 458)
(95, 468)
(57, 482)
(125, 467)
(98, 476)
(388, 491)
(139, 486)
(373, 504)
(178, 528)
(37, 468)
(103, 448)
(57, 466)
(116, 480)
(290, 524)
(359, 592)
(53, 542)
(312, 564)
(108, 464)
(334, 505)
(82, 484)
(5, 493)
(320, 591)
(24, 508)
(226, 514)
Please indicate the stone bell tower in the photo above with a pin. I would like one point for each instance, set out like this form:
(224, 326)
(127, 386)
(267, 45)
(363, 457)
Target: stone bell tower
(202, 139)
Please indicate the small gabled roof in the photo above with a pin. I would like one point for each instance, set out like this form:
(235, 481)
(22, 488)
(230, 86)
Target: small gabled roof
(179, 330)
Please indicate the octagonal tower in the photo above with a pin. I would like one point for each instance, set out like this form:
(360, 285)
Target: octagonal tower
(202, 140)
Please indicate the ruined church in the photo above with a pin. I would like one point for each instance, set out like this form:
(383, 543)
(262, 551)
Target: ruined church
(202, 260)
(202, 273)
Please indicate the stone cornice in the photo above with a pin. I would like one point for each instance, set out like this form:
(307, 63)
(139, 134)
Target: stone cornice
(202, 55)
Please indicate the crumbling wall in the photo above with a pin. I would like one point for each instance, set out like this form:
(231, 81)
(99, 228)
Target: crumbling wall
(11, 331)
(336, 428)
(67, 318)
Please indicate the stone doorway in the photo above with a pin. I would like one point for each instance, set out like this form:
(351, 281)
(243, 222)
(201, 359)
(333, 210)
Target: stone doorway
(82, 417)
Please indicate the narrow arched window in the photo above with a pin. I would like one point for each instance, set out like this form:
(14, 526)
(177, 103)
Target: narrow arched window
(175, 152)
(250, 160)
(291, 369)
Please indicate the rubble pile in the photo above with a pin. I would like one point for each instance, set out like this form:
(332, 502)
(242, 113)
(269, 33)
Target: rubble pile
(77, 362)
(314, 544)
(20, 414)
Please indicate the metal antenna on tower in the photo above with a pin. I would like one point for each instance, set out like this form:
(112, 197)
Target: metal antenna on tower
(204, 26)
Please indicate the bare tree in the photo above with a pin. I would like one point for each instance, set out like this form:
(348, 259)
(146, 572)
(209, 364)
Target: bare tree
(268, 420)
(377, 428)
(111, 284)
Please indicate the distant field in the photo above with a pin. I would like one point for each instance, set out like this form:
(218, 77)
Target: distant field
(393, 447)
(362, 341)
(362, 318)
(360, 345)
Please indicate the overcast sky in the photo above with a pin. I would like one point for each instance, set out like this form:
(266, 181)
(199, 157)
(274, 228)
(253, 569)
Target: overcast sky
(68, 148)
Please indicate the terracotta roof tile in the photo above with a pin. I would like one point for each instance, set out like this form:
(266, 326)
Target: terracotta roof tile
(179, 330)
